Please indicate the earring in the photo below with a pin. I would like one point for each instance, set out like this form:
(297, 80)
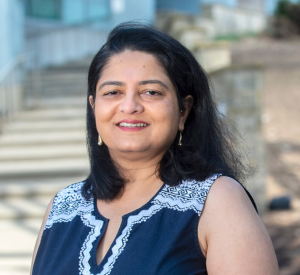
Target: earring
(180, 138)
(100, 142)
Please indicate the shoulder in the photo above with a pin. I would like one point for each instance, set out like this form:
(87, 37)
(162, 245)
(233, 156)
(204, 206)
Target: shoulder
(70, 193)
(231, 234)
(227, 192)
(227, 196)
(189, 195)
(63, 207)
(228, 203)
(67, 203)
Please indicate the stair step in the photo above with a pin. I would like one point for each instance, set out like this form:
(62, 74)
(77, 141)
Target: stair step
(75, 82)
(56, 91)
(45, 125)
(39, 186)
(35, 168)
(39, 152)
(54, 137)
(58, 74)
(29, 199)
(61, 101)
(23, 207)
(47, 114)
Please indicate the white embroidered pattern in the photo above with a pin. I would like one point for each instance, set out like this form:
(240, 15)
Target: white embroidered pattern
(188, 195)
(123, 238)
(69, 203)
(85, 252)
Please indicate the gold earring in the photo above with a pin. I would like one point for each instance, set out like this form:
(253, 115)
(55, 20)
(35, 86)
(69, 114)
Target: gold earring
(100, 142)
(180, 138)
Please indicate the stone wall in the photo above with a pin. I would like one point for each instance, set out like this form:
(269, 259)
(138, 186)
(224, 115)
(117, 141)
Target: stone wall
(235, 21)
(238, 92)
(191, 32)
(212, 56)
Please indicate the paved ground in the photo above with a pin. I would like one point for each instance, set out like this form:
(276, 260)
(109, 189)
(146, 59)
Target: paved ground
(281, 117)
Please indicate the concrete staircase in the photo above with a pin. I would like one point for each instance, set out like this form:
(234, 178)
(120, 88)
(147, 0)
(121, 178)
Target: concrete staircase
(42, 150)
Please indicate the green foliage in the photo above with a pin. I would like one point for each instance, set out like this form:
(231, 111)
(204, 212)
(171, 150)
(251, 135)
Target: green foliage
(282, 8)
(287, 19)
(234, 37)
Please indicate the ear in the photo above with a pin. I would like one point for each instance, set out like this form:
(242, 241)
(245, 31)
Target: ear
(91, 100)
(187, 103)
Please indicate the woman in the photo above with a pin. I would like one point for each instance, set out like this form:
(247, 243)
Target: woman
(157, 146)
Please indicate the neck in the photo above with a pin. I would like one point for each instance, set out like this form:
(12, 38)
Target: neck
(140, 172)
(137, 167)
(141, 187)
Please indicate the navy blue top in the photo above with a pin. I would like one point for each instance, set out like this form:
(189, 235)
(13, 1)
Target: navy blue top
(159, 238)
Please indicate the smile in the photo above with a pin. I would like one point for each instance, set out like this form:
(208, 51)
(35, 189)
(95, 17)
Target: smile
(124, 124)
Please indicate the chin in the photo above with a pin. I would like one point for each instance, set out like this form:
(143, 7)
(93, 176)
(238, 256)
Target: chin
(127, 146)
(132, 150)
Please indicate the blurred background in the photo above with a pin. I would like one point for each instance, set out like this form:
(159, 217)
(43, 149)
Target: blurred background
(249, 48)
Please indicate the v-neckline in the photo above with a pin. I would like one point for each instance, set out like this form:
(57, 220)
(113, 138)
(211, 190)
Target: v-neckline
(99, 216)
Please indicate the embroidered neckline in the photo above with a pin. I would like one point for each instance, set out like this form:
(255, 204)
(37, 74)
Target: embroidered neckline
(98, 214)
(69, 203)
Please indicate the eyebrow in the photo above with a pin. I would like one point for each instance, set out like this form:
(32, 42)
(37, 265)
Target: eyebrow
(115, 83)
(144, 82)
(153, 81)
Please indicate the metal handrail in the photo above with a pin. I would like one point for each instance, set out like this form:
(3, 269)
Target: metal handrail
(11, 81)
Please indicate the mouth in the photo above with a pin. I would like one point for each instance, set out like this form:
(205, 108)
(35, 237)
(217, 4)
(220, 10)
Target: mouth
(133, 125)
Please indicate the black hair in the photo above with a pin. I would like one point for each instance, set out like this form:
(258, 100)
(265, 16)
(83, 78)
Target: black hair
(207, 146)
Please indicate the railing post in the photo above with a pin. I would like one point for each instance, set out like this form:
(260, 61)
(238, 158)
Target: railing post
(10, 90)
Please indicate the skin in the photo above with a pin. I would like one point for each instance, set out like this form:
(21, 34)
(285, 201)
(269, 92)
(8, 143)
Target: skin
(135, 86)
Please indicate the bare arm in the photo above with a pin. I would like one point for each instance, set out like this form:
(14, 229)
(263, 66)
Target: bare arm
(231, 234)
(37, 244)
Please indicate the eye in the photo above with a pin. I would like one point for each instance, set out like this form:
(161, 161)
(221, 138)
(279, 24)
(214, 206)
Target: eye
(111, 93)
(152, 93)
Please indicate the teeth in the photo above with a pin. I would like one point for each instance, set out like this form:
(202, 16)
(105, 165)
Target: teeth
(124, 124)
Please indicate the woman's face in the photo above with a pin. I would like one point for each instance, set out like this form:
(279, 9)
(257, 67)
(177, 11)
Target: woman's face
(136, 107)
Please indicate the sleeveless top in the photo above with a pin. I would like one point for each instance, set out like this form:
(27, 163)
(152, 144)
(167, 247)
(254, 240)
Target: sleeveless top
(159, 238)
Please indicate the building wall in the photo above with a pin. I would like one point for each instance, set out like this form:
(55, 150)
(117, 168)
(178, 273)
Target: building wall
(78, 11)
(253, 4)
(128, 10)
(229, 3)
(190, 6)
(72, 37)
(11, 30)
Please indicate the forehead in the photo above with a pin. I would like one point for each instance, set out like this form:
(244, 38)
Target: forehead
(133, 62)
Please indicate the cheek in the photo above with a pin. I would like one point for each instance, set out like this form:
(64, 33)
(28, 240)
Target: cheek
(169, 116)
(103, 115)
(102, 109)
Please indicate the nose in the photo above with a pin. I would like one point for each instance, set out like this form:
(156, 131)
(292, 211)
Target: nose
(131, 103)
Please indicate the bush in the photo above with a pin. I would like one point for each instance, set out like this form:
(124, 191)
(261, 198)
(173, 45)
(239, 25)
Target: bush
(286, 21)
(282, 8)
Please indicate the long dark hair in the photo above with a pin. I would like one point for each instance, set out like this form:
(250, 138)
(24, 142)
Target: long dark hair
(207, 144)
